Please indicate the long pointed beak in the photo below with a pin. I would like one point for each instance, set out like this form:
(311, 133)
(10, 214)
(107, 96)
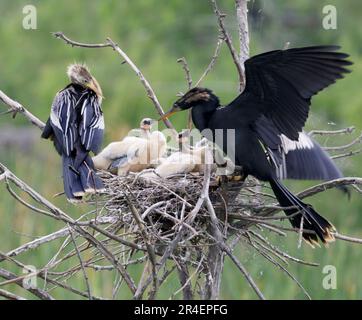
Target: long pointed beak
(93, 85)
(170, 113)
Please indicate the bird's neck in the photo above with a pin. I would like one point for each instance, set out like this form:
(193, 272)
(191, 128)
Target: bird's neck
(201, 114)
(145, 133)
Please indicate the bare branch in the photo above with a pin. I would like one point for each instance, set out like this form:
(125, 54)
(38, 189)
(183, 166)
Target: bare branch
(186, 68)
(216, 54)
(12, 278)
(347, 238)
(329, 185)
(227, 37)
(333, 132)
(347, 154)
(10, 296)
(81, 264)
(346, 146)
(242, 17)
(16, 107)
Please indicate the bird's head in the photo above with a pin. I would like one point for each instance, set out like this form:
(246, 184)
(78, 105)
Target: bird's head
(201, 97)
(80, 74)
(146, 123)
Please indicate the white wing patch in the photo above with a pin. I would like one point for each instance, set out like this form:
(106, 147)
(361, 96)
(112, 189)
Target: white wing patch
(304, 142)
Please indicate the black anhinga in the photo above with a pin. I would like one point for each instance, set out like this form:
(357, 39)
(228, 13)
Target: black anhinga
(274, 104)
(76, 127)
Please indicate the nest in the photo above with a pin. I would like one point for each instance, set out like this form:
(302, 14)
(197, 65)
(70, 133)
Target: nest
(166, 213)
(163, 205)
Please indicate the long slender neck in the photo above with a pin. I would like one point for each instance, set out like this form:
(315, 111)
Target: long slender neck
(202, 113)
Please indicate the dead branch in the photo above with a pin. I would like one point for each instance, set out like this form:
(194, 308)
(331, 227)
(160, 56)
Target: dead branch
(211, 65)
(186, 68)
(329, 185)
(347, 154)
(16, 107)
(10, 296)
(331, 132)
(228, 40)
(242, 17)
(346, 146)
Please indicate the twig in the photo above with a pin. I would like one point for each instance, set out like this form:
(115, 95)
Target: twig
(347, 238)
(210, 66)
(149, 246)
(186, 68)
(347, 154)
(81, 264)
(10, 296)
(19, 281)
(329, 185)
(346, 146)
(16, 107)
(227, 37)
(332, 132)
(61, 35)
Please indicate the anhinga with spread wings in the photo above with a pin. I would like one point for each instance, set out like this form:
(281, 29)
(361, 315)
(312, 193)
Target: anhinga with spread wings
(76, 127)
(271, 111)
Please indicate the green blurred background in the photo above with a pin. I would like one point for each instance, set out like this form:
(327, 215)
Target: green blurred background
(155, 34)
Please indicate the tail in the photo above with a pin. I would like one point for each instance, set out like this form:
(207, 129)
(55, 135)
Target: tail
(312, 221)
(73, 188)
(81, 180)
(89, 179)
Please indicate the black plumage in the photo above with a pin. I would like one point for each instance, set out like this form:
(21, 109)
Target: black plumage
(76, 127)
(274, 103)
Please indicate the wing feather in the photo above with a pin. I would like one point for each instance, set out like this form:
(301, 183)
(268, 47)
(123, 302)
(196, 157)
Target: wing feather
(91, 126)
(284, 81)
(301, 159)
(61, 119)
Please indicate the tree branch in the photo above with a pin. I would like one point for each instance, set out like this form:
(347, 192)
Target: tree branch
(228, 40)
(16, 107)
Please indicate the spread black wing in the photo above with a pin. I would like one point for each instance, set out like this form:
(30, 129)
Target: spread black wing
(281, 83)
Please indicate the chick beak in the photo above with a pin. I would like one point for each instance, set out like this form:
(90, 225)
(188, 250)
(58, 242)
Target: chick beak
(168, 114)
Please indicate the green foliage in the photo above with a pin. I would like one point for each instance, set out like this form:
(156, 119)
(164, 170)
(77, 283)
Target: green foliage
(154, 34)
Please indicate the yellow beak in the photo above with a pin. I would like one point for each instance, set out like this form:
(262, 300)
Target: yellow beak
(94, 86)
(169, 113)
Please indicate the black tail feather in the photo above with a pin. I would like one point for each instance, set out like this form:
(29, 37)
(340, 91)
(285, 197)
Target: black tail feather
(72, 185)
(317, 226)
(90, 181)
(79, 181)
